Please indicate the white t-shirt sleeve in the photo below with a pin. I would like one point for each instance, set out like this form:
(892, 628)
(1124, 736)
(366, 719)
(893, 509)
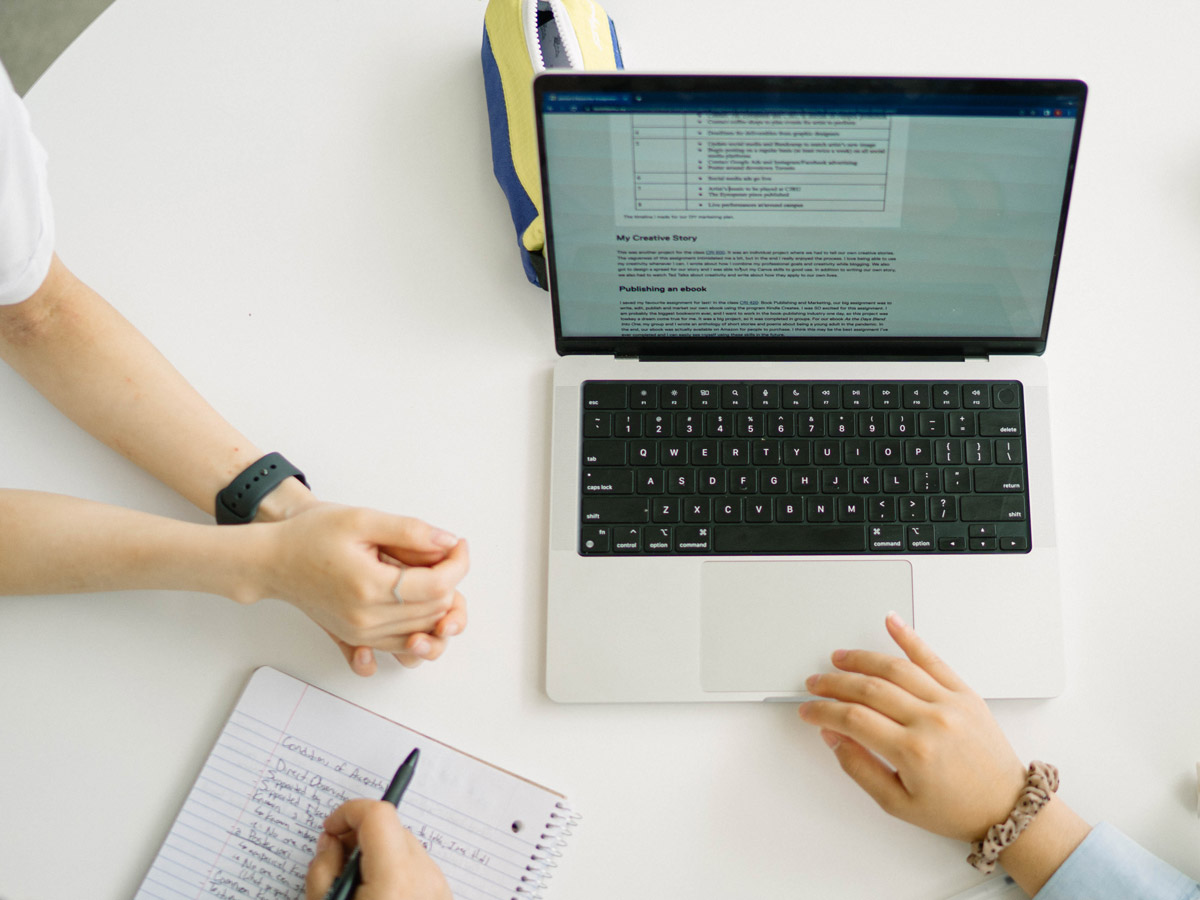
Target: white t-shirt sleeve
(26, 216)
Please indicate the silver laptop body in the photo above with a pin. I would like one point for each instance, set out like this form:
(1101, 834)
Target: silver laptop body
(774, 259)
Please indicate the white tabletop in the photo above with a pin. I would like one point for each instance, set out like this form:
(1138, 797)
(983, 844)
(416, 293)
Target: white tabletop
(294, 200)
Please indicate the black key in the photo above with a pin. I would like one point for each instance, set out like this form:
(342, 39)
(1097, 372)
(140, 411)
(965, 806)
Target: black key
(650, 481)
(658, 425)
(1006, 396)
(851, 509)
(886, 537)
(758, 510)
(945, 396)
(855, 396)
(604, 453)
(727, 509)
(885, 396)
(1009, 450)
(765, 396)
(594, 539)
(643, 453)
(603, 395)
(1014, 543)
(789, 509)
(656, 539)
(993, 508)
(794, 396)
(825, 396)
(597, 424)
(665, 509)
(1000, 480)
(643, 396)
(607, 481)
(976, 396)
(673, 396)
(681, 481)
(916, 396)
(819, 509)
(790, 539)
(693, 539)
(996, 423)
(735, 396)
(626, 539)
(920, 537)
(705, 396)
(608, 510)
(696, 509)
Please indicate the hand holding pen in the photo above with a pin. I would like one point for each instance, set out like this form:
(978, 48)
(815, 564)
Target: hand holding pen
(390, 862)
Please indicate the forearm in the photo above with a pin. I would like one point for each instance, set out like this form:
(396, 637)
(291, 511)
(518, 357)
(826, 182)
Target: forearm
(101, 372)
(52, 544)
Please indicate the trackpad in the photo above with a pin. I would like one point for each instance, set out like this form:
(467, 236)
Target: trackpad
(767, 626)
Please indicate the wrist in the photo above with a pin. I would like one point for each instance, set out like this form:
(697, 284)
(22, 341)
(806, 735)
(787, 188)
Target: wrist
(289, 499)
(240, 502)
(1044, 845)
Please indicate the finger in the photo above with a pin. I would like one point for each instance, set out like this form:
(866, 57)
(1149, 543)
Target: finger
(421, 583)
(919, 652)
(385, 852)
(360, 659)
(455, 621)
(876, 732)
(405, 537)
(325, 866)
(878, 694)
(898, 671)
(880, 781)
(418, 648)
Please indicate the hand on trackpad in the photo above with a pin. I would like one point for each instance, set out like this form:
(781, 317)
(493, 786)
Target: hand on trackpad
(766, 626)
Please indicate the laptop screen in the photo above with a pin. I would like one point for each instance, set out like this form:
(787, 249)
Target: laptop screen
(744, 214)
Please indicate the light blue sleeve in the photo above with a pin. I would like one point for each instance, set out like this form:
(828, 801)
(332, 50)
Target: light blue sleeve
(1110, 866)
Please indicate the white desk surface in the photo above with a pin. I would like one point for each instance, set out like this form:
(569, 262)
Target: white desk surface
(294, 200)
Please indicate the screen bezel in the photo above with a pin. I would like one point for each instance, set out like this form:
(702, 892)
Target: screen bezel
(1038, 91)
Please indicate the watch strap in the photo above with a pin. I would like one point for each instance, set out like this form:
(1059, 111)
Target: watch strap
(238, 503)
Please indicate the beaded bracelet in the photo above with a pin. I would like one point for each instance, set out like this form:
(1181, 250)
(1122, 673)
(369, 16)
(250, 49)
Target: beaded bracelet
(1040, 783)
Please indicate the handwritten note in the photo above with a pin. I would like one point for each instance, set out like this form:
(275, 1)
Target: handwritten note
(290, 753)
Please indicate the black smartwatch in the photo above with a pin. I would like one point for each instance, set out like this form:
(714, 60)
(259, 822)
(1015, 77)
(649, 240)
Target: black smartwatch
(238, 503)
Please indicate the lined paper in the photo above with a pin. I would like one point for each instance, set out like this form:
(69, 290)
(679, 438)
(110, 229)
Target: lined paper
(290, 753)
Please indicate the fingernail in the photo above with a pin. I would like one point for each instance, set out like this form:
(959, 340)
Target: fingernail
(325, 841)
(443, 538)
(831, 739)
(839, 655)
(452, 629)
(811, 681)
(420, 647)
(894, 618)
(362, 657)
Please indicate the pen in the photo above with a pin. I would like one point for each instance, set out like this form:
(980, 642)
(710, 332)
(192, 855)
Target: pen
(344, 885)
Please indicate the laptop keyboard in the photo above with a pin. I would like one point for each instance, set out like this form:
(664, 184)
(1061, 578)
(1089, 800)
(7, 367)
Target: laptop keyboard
(803, 467)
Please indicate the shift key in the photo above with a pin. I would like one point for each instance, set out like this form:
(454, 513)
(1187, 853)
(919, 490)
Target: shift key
(612, 510)
(993, 508)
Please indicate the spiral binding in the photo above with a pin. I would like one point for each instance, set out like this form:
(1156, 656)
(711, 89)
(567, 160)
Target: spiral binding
(548, 849)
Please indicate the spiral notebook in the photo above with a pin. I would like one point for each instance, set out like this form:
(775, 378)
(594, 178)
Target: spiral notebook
(290, 753)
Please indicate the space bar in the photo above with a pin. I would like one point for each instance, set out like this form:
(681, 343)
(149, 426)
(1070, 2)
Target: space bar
(789, 539)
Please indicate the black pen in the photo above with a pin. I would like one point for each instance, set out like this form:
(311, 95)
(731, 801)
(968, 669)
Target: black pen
(344, 885)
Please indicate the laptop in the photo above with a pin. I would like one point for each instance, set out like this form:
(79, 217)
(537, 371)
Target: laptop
(800, 322)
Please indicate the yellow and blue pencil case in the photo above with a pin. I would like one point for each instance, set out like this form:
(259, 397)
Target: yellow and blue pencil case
(520, 39)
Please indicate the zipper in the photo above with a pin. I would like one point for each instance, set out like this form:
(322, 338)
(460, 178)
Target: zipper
(566, 32)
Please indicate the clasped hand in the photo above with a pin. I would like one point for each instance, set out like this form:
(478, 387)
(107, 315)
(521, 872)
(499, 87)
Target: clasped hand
(370, 579)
